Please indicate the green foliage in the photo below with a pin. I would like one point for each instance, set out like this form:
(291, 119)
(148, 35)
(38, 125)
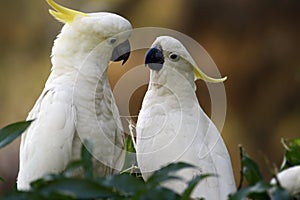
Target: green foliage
(292, 153)
(250, 169)
(86, 161)
(66, 186)
(121, 186)
(165, 174)
(129, 144)
(192, 184)
(261, 190)
(10, 132)
(257, 187)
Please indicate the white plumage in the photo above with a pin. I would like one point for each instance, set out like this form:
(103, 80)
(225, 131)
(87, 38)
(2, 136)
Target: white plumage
(172, 126)
(77, 102)
(289, 179)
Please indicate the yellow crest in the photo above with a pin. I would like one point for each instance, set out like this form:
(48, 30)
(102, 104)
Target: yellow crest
(200, 75)
(63, 14)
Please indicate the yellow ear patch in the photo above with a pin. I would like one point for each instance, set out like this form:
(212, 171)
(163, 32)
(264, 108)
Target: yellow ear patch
(200, 75)
(62, 14)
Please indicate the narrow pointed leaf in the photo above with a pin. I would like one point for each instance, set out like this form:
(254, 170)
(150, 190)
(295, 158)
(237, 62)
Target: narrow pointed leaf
(22, 195)
(250, 169)
(129, 144)
(165, 173)
(86, 157)
(192, 185)
(10, 132)
(124, 183)
(259, 191)
(72, 167)
(157, 193)
(74, 187)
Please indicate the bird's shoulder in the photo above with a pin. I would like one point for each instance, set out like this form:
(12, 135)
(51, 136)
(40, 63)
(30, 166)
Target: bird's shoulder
(53, 113)
(51, 133)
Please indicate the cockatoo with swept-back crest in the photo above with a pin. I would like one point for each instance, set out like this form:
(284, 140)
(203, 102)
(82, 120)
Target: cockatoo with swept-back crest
(77, 102)
(172, 126)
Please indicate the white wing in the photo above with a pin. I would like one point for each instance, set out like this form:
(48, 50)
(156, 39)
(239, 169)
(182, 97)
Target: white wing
(98, 121)
(212, 157)
(188, 136)
(46, 147)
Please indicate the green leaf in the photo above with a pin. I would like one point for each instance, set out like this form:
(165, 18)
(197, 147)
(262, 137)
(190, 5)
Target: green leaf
(57, 196)
(166, 172)
(279, 193)
(292, 153)
(257, 191)
(72, 187)
(124, 183)
(86, 157)
(12, 131)
(21, 195)
(192, 184)
(157, 193)
(250, 169)
(130, 157)
(71, 167)
(129, 144)
(296, 196)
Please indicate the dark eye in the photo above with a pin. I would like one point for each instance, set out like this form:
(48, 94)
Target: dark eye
(174, 57)
(112, 40)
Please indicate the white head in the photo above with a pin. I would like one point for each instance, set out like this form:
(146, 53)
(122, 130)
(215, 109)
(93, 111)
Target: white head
(167, 52)
(82, 32)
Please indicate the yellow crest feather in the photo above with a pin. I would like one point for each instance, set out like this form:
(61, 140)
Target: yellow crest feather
(200, 75)
(63, 14)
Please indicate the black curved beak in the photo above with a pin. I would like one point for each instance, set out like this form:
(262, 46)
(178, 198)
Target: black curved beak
(121, 52)
(154, 58)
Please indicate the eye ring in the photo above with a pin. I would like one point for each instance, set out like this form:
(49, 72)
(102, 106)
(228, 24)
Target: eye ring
(174, 57)
(112, 40)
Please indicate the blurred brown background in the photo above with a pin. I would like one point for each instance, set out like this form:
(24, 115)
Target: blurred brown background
(255, 43)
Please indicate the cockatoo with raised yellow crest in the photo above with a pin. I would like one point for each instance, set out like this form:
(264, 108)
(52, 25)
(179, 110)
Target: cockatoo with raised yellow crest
(77, 103)
(172, 127)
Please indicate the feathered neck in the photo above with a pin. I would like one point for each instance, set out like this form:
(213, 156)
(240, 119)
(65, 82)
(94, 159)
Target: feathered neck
(73, 49)
(171, 81)
(76, 56)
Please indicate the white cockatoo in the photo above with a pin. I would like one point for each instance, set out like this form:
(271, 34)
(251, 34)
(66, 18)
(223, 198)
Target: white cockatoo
(172, 127)
(289, 179)
(77, 103)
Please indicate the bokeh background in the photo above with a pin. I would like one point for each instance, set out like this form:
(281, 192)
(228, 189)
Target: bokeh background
(255, 43)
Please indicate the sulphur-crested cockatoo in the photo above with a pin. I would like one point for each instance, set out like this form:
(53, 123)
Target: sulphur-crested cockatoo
(172, 127)
(289, 179)
(77, 102)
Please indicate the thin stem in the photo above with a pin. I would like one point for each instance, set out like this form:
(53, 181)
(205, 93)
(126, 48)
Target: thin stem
(242, 166)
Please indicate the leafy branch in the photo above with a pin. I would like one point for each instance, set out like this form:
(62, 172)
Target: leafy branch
(64, 186)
